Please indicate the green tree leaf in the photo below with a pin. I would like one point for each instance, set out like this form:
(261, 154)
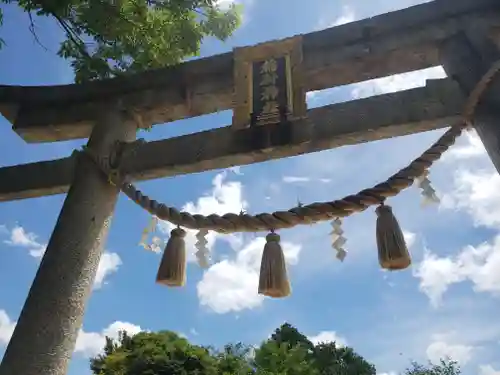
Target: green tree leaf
(290, 352)
(108, 38)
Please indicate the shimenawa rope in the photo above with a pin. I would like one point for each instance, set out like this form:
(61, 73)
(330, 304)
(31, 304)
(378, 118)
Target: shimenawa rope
(315, 212)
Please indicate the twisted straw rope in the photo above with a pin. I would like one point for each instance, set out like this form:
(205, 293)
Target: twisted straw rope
(315, 212)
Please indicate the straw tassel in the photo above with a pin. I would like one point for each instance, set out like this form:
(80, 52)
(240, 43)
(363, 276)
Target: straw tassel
(273, 281)
(392, 250)
(172, 270)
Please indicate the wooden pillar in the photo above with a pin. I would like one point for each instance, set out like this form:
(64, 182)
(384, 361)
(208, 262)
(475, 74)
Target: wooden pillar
(466, 58)
(47, 329)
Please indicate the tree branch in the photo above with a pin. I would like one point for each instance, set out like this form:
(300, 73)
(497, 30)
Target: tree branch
(33, 31)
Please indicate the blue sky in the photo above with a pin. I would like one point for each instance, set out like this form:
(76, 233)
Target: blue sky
(445, 305)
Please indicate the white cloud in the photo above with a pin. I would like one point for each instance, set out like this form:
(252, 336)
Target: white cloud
(409, 237)
(481, 265)
(231, 285)
(441, 349)
(472, 148)
(328, 336)
(347, 15)
(90, 344)
(476, 192)
(226, 196)
(304, 179)
(6, 327)
(488, 370)
(109, 263)
(194, 332)
(19, 237)
(227, 286)
(396, 82)
(295, 179)
(478, 265)
(436, 275)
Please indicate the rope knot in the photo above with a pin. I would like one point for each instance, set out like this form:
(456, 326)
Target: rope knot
(110, 164)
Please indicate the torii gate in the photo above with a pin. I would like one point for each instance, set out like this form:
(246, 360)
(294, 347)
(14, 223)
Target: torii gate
(461, 35)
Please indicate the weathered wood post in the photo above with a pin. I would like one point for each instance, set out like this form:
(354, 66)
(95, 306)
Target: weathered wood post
(47, 329)
(466, 57)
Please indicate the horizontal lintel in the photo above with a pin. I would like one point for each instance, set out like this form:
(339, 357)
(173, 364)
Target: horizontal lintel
(437, 105)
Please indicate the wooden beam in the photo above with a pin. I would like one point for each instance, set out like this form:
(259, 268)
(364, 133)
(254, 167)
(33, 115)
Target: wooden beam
(435, 106)
(36, 179)
(388, 44)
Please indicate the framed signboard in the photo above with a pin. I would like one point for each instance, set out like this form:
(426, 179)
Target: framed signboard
(268, 83)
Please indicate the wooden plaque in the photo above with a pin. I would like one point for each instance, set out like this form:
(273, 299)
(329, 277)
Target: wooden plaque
(268, 83)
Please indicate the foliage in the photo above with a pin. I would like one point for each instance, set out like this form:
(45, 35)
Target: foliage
(106, 38)
(291, 336)
(275, 358)
(445, 367)
(290, 352)
(332, 360)
(234, 359)
(286, 352)
(147, 353)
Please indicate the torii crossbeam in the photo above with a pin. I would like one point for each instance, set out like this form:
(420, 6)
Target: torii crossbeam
(461, 35)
